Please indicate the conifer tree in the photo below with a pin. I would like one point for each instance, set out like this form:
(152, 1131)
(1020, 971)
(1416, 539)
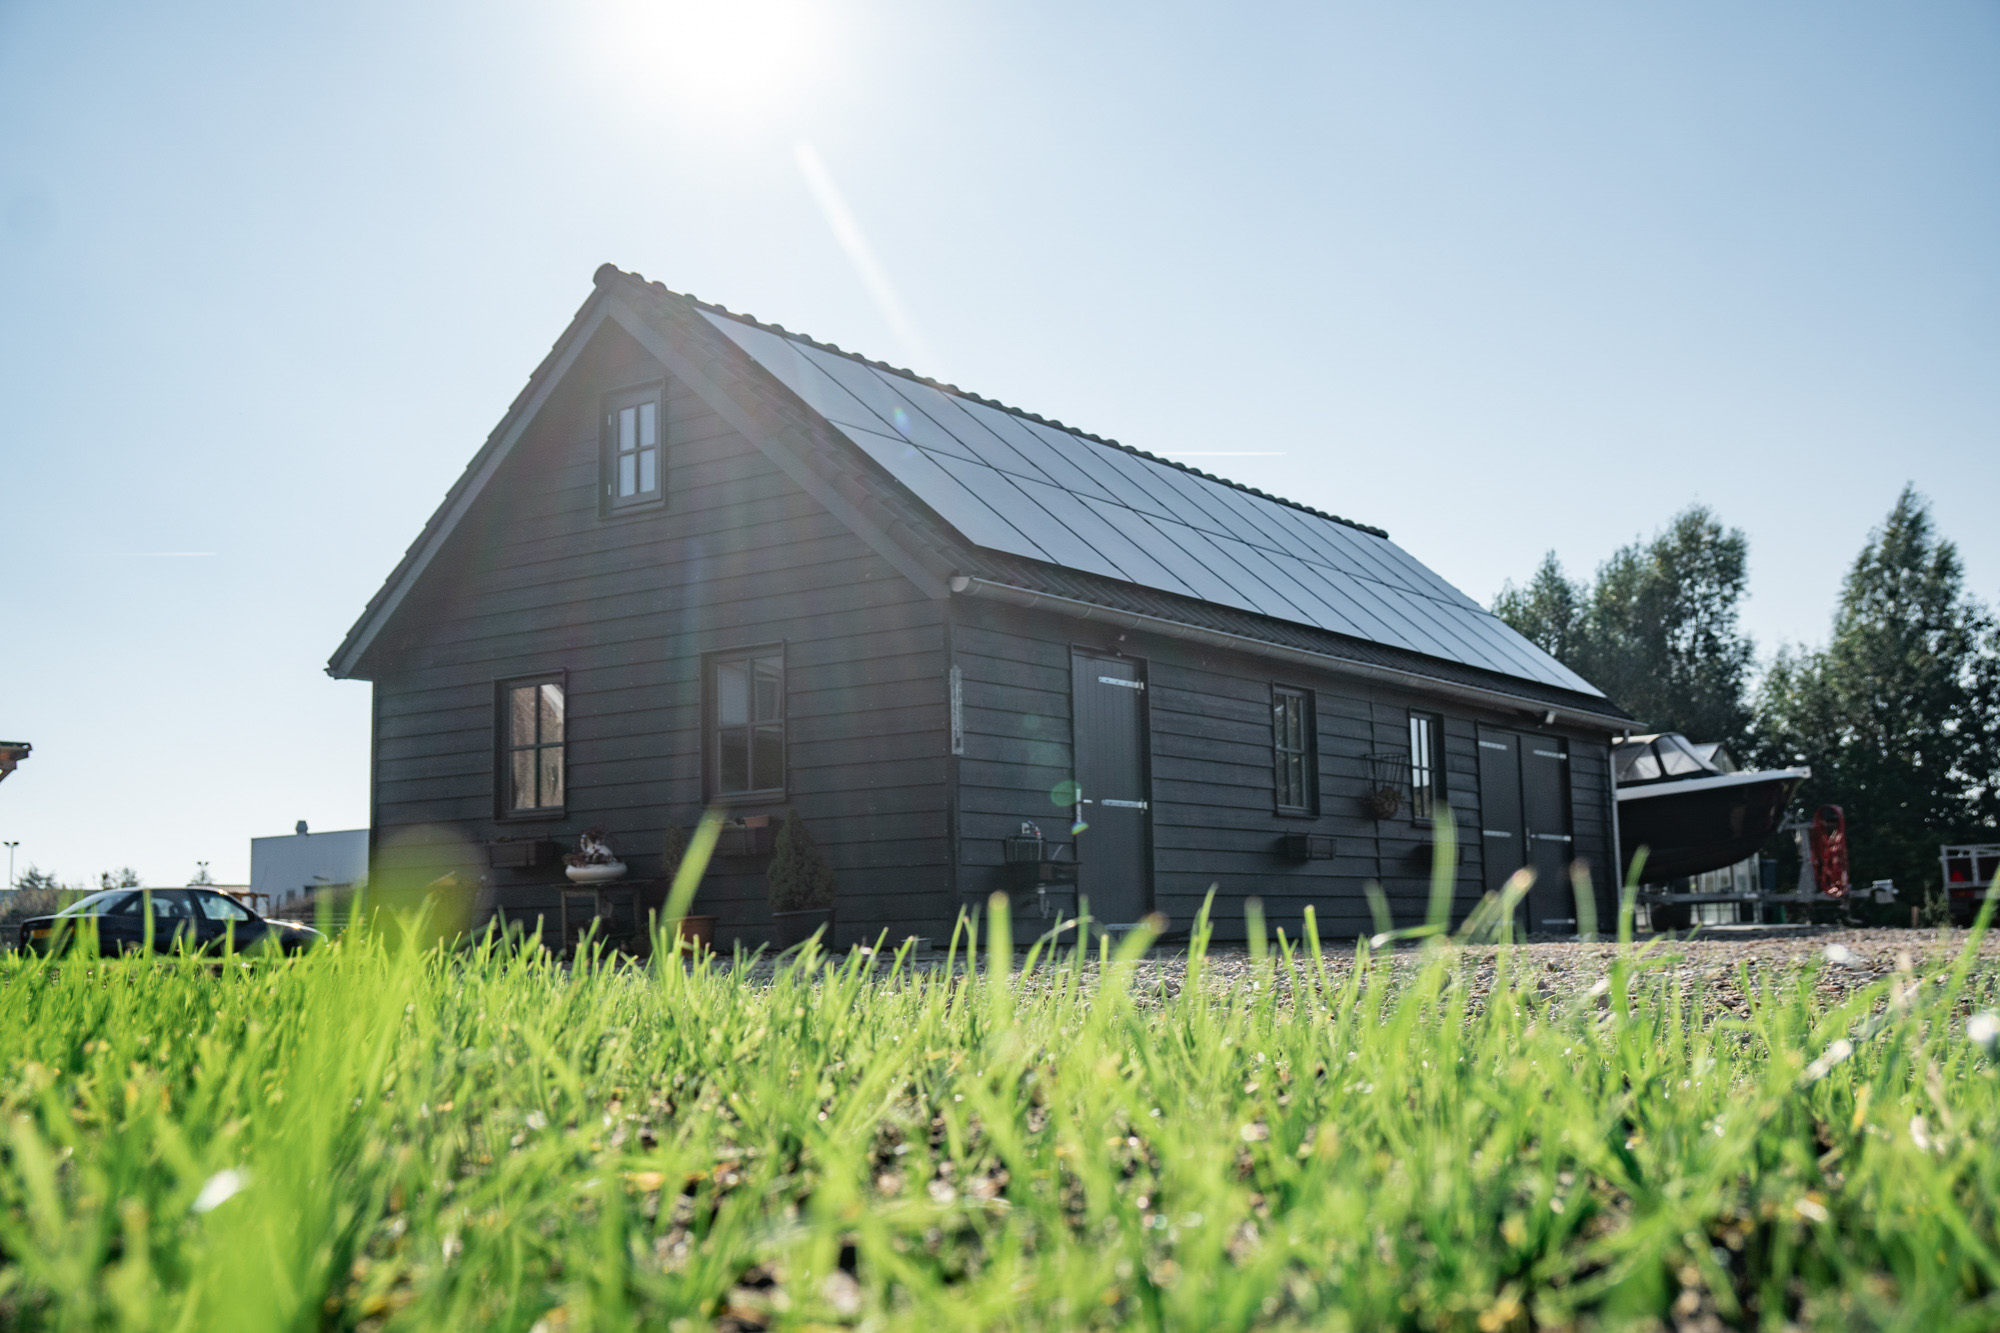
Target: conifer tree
(1897, 714)
(800, 876)
(1657, 629)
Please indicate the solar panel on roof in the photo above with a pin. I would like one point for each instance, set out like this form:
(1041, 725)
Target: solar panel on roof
(1031, 489)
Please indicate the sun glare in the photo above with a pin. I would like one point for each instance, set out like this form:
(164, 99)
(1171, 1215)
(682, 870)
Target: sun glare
(741, 57)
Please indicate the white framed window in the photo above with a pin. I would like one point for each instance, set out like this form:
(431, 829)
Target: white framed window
(634, 448)
(1426, 764)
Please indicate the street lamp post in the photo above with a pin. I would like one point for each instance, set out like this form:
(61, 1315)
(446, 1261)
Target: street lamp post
(10, 861)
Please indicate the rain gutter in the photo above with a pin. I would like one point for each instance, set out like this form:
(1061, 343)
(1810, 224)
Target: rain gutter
(1546, 713)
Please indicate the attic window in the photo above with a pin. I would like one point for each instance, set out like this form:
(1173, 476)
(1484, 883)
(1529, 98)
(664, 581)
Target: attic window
(632, 448)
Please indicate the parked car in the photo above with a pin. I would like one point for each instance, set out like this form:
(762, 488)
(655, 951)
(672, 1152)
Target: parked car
(191, 918)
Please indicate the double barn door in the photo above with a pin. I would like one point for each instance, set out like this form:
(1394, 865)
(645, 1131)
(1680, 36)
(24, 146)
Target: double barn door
(1524, 815)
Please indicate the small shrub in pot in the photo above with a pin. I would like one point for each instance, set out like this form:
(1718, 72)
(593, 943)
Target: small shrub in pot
(802, 883)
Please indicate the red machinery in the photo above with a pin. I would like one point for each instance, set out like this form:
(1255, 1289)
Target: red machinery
(1829, 850)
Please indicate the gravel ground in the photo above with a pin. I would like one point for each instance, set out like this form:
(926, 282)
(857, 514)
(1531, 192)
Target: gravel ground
(1715, 962)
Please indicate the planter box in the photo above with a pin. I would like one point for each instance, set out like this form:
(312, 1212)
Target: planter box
(1309, 846)
(795, 928)
(741, 840)
(522, 853)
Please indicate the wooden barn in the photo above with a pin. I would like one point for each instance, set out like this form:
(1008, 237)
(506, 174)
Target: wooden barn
(706, 561)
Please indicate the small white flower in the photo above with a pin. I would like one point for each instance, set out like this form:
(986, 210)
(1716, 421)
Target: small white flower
(1984, 1030)
(536, 1120)
(1920, 1133)
(220, 1189)
(1840, 955)
(1823, 1066)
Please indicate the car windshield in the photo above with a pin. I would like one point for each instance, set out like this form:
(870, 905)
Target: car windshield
(97, 904)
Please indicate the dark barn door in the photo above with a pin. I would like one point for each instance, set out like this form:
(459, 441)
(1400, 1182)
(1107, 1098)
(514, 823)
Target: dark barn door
(1525, 821)
(1502, 831)
(1108, 695)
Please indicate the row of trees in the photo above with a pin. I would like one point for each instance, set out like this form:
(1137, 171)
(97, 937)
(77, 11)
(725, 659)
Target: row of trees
(1898, 715)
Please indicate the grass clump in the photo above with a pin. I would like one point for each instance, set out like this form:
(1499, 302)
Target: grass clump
(386, 1136)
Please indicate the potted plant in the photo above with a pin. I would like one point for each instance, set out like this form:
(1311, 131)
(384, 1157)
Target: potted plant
(593, 861)
(690, 929)
(801, 882)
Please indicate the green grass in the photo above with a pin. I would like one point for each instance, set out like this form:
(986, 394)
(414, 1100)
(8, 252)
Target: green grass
(388, 1136)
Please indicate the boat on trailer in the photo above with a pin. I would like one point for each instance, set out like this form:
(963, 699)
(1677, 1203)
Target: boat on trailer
(1691, 807)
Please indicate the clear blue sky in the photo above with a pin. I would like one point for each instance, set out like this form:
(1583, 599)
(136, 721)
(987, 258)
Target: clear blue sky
(1499, 278)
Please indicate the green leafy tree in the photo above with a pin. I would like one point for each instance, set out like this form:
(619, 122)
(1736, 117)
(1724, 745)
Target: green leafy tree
(38, 880)
(123, 878)
(800, 876)
(1897, 714)
(1656, 630)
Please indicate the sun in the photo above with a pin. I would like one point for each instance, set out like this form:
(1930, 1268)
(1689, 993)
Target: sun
(733, 56)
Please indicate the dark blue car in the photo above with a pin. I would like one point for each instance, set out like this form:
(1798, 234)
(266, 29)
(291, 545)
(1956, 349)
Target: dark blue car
(187, 918)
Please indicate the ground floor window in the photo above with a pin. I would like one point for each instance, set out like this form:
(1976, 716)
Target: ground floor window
(1426, 772)
(745, 747)
(1293, 749)
(533, 724)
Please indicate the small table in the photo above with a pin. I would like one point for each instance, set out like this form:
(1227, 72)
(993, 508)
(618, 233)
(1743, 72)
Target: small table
(613, 907)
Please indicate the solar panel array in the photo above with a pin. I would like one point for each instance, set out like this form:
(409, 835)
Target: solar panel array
(1035, 490)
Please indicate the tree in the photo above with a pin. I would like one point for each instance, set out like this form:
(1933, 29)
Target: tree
(1897, 714)
(37, 880)
(1657, 630)
(124, 878)
(1551, 612)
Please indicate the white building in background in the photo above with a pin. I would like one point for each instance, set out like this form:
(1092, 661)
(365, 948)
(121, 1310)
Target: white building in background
(290, 869)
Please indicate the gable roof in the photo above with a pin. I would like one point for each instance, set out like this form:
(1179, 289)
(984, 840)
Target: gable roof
(1009, 481)
(962, 483)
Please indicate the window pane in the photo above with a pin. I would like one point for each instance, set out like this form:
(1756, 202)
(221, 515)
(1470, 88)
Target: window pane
(767, 763)
(649, 471)
(628, 430)
(732, 693)
(219, 907)
(628, 474)
(521, 764)
(551, 765)
(552, 713)
(770, 689)
(649, 430)
(1676, 758)
(521, 715)
(733, 759)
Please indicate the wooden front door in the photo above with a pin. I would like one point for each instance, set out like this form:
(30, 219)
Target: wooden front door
(1114, 851)
(1524, 816)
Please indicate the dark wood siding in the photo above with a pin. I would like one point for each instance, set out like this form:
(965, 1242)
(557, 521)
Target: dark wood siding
(1214, 821)
(536, 580)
